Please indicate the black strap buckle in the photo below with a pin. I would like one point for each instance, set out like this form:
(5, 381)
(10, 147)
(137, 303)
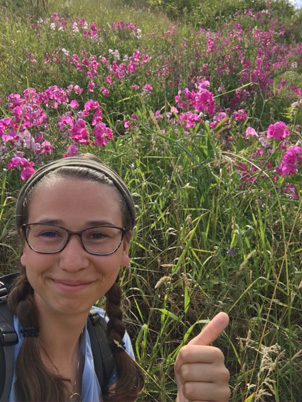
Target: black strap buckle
(8, 335)
(94, 316)
(3, 293)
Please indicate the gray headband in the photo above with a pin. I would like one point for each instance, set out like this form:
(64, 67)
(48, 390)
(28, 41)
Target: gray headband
(76, 161)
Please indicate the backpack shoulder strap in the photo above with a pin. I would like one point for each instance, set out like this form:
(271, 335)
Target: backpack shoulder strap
(8, 338)
(102, 355)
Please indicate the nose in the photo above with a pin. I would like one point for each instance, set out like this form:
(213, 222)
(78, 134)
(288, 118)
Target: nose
(73, 258)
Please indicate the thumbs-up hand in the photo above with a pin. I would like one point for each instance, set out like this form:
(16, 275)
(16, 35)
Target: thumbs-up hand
(201, 375)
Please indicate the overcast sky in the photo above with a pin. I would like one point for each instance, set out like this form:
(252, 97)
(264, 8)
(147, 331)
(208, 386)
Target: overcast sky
(298, 3)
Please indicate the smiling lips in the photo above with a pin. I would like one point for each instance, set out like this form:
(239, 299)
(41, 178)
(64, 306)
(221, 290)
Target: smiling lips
(71, 286)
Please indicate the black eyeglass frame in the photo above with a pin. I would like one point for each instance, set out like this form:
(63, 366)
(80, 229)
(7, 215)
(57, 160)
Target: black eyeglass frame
(69, 234)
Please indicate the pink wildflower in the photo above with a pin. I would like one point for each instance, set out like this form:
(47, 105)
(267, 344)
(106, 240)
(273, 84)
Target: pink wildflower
(105, 91)
(65, 120)
(289, 161)
(158, 115)
(204, 101)
(147, 88)
(27, 172)
(101, 133)
(46, 147)
(21, 163)
(72, 150)
(97, 117)
(79, 133)
(109, 80)
(218, 118)
(277, 131)
(39, 137)
(240, 114)
(251, 132)
(74, 104)
(189, 119)
(91, 85)
(91, 104)
(291, 191)
(77, 89)
(185, 99)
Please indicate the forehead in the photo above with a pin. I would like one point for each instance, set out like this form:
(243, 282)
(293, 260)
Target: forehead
(74, 201)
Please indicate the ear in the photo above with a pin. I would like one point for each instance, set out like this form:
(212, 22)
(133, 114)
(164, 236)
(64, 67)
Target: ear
(23, 258)
(125, 257)
(23, 255)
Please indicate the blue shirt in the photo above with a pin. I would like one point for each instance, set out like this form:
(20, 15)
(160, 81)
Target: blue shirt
(91, 390)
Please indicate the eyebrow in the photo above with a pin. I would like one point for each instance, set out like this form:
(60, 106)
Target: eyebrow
(88, 223)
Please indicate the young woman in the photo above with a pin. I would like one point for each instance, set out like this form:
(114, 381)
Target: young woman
(75, 218)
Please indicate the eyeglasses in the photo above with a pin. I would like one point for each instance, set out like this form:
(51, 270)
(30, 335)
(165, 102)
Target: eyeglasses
(50, 239)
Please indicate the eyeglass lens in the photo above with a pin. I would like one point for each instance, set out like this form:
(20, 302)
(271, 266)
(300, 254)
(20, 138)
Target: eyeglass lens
(49, 239)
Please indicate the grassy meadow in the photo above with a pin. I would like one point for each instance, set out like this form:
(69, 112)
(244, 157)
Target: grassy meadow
(205, 126)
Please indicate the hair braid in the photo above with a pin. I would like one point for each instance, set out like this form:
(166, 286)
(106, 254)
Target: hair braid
(130, 380)
(33, 381)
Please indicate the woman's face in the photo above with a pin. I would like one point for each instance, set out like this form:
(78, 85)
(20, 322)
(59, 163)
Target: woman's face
(70, 281)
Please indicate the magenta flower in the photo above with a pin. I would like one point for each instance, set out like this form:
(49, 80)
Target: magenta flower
(218, 118)
(240, 114)
(74, 104)
(65, 120)
(204, 101)
(101, 133)
(251, 132)
(79, 133)
(291, 191)
(109, 80)
(158, 115)
(39, 137)
(91, 86)
(72, 150)
(185, 99)
(77, 89)
(147, 88)
(290, 161)
(277, 131)
(91, 104)
(189, 119)
(18, 162)
(97, 117)
(105, 91)
(27, 172)
(46, 147)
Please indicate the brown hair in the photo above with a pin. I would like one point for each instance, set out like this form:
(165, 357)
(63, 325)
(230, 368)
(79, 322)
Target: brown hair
(34, 382)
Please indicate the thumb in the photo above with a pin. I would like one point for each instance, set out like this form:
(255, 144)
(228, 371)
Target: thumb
(211, 332)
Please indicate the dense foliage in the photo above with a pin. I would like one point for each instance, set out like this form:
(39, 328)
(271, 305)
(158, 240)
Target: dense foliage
(203, 120)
